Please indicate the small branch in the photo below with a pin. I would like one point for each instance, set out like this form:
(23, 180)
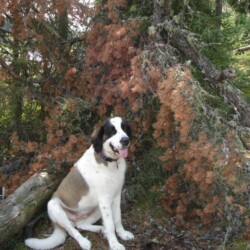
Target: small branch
(242, 49)
(9, 70)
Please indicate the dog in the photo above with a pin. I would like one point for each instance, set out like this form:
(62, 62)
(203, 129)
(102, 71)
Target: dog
(92, 191)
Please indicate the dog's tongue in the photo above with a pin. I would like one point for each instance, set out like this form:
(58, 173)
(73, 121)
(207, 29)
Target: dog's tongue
(123, 152)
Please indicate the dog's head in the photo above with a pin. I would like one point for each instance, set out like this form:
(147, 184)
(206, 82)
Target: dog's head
(113, 138)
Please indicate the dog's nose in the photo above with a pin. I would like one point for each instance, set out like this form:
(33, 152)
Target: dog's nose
(124, 141)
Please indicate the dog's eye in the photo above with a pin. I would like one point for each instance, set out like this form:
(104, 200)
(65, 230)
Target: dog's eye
(124, 127)
(111, 130)
(127, 129)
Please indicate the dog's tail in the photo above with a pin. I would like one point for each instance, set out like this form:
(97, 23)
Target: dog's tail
(55, 239)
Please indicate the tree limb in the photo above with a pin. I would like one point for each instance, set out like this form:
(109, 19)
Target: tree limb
(242, 49)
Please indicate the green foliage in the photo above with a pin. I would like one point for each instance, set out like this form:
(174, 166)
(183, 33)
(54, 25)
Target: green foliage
(18, 113)
(139, 8)
(144, 25)
(216, 44)
(6, 118)
(75, 116)
(147, 175)
(240, 6)
(219, 43)
(147, 168)
(241, 62)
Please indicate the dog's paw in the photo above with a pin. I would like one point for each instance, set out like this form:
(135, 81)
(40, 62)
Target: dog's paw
(125, 235)
(84, 243)
(117, 246)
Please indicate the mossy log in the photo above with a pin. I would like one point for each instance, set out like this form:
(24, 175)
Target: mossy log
(18, 208)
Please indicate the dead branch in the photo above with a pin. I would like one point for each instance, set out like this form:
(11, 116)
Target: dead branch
(242, 49)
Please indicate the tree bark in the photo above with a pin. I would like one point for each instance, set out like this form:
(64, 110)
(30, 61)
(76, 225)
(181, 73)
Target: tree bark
(179, 39)
(18, 209)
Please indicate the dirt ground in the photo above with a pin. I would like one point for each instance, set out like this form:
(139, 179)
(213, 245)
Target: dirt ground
(152, 230)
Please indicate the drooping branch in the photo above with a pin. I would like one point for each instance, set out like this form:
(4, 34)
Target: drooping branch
(180, 39)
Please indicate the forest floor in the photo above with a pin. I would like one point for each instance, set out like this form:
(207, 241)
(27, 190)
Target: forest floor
(152, 230)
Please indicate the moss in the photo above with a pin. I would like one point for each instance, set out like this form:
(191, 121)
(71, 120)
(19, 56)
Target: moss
(240, 244)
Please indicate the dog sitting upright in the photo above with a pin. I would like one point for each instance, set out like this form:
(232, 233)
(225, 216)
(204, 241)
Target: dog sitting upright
(92, 190)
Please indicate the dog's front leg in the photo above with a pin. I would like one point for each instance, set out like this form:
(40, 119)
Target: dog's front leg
(116, 209)
(108, 223)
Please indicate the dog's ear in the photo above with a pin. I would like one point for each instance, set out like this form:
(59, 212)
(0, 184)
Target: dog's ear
(127, 129)
(97, 139)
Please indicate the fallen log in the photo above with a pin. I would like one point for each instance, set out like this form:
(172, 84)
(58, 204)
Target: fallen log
(19, 208)
(180, 39)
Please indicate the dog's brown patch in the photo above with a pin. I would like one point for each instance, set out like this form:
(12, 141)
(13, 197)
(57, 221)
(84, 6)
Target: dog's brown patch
(72, 188)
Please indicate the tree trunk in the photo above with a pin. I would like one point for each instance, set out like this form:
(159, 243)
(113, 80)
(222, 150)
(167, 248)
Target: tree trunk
(63, 23)
(218, 12)
(17, 91)
(18, 209)
(63, 30)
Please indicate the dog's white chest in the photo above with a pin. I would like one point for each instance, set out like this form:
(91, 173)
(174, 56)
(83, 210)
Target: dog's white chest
(102, 179)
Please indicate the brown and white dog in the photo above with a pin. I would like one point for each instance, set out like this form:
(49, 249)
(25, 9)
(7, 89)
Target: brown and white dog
(92, 190)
